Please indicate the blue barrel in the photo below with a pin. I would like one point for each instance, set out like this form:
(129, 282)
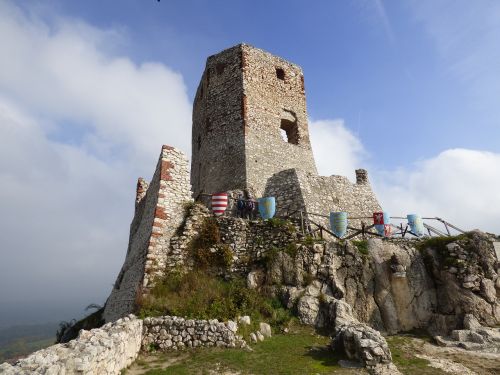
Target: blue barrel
(338, 223)
(416, 224)
(267, 207)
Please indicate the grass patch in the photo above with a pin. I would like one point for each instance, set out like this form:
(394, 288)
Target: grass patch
(361, 245)
(300, 352)
(201, 295)
(403, 355)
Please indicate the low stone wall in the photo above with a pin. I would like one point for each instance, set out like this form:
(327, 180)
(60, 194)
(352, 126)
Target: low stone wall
(174, 333)
(115, 346)
(105, 350)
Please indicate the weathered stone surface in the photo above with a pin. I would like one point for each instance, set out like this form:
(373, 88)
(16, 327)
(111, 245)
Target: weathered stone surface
(265, 329)
(174, 333)
(357, 340)
(105, 350)
(158, 214)
(244, 320)
(255, 279)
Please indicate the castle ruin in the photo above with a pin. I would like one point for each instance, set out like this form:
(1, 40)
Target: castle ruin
(250, 134)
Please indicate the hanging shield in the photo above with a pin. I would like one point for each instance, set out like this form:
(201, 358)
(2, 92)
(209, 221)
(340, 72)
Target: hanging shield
(387, 230)
(416, 224)
(219, 203)
(381, 220)
(338, 223)
(267, 207)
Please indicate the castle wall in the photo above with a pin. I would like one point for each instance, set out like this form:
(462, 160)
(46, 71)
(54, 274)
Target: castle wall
(249, 240)
(270, 103)
(159, 212)
(295, 189)
(218, 145)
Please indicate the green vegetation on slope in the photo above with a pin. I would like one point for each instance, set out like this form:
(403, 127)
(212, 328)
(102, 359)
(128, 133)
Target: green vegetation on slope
(201, 295)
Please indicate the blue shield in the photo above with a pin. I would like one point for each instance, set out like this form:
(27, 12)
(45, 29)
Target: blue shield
(267, 207)
(416, 224)
(338, 223)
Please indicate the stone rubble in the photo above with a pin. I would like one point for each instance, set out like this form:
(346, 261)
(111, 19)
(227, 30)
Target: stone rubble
(472, 337)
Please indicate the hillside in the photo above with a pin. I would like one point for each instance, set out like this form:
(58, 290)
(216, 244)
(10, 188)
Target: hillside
(21, 340)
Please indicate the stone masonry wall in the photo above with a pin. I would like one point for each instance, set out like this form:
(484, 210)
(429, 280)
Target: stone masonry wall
(159, 212)
(249, 240)
(174, 333)
(110, 349)
(218, 144)
(274, 95)
(241, 103)
(297, 190)
(105, 350)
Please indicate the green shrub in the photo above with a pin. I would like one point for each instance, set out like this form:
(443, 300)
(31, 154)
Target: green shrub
(307, 279)
(362, 246)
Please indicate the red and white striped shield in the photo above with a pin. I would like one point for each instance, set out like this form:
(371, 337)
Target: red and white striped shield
(219, 203)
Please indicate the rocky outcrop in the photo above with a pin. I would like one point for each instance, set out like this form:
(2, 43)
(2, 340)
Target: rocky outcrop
(358, 340)
(473, 336)
(465, 274)
(393, 286)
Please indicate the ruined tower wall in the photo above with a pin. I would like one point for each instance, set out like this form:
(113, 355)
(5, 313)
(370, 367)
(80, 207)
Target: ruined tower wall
(218, 142)
(244, 98)
(295, 190)
(159, 212)
(274, 99)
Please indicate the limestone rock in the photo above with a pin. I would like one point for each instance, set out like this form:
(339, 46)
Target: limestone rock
(265, 329)
(307, 310)
(244, 320)
(255, 279)
(232, 326)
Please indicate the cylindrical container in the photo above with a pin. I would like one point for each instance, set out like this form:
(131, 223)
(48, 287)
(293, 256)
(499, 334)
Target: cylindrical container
(416, 224)
(267, 207)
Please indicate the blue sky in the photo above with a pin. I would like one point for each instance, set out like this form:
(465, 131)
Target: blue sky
(375, 64)
(90, 90)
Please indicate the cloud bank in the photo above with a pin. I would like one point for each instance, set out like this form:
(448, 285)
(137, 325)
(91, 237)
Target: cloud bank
(78, 125)
(458, 185)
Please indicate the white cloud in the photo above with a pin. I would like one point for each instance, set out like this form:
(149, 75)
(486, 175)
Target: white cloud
(63, 71)
(78, 125)
(458, 185)
(336, 149)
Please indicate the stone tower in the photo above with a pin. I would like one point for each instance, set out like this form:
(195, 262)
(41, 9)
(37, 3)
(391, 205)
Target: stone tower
(249, 121)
